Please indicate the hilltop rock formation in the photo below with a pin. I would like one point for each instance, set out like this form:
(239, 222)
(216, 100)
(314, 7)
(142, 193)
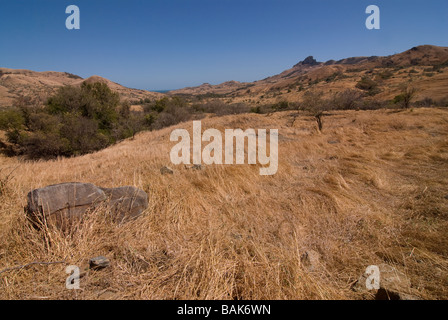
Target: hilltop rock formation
(66, 203)
(426, 66)
(309, 61)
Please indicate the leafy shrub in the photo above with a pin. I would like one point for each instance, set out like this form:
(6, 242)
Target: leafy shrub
(386, 74)
(44, 145)
(368, 85)
(81, 135)
(256, 110)
(75, 121)
(280, 106)
(333, 77)
(93, 100)
(11, 119)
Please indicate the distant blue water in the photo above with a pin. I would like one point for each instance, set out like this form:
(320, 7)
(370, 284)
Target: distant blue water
(161, 91)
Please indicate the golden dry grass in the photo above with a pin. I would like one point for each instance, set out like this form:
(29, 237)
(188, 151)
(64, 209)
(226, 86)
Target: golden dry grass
(15, 83)
(378, 195)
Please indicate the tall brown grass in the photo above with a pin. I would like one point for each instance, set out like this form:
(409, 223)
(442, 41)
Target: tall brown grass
(377, 195)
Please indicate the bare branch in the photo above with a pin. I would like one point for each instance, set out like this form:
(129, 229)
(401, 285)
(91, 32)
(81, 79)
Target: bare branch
(30, 264)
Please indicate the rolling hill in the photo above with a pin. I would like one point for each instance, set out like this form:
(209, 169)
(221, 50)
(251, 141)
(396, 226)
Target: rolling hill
(40, 85)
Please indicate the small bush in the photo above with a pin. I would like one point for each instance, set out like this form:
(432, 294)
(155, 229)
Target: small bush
(405, 98)
(281, 106)
(347, 100)
(386, 75)
(372, 105)
(11, 119)
(314, 104)
(368, 85)
(425, 103)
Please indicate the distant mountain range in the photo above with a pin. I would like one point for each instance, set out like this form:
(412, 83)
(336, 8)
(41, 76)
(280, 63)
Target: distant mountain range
(425, 66)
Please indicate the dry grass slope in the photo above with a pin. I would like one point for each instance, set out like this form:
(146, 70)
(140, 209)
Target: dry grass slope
(15, 83)
(379, 194)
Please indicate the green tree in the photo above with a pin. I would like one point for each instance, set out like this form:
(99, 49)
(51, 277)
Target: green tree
(92, 100)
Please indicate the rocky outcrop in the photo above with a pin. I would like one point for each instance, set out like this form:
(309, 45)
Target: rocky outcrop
(309, 61)
(65, 203)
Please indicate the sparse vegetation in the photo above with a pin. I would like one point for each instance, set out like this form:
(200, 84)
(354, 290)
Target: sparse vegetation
(347, 100)
(316, 105)
(368, 85)
(405, 98)
(73, 76)
(387, 74)
(75, 121)
(367, 187)
(378, 196)
(5, 179)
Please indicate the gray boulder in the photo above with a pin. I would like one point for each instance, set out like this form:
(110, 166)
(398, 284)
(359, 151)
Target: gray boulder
(66, 203)
(126, 202)
(63, 203)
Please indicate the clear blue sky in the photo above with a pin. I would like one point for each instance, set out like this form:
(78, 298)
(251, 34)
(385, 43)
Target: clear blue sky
(169, 44)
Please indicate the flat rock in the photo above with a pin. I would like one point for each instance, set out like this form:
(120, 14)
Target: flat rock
(68, 202)
(99, 262)
(166, 170)
(63, 202)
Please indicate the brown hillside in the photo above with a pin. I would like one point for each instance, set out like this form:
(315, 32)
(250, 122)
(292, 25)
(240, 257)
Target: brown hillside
(425, 66)
(40, 85)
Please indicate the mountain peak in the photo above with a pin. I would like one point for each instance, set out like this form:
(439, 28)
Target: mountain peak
(309, 61)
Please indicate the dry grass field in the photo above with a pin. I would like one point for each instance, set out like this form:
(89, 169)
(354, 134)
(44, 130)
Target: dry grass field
(371, 188)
